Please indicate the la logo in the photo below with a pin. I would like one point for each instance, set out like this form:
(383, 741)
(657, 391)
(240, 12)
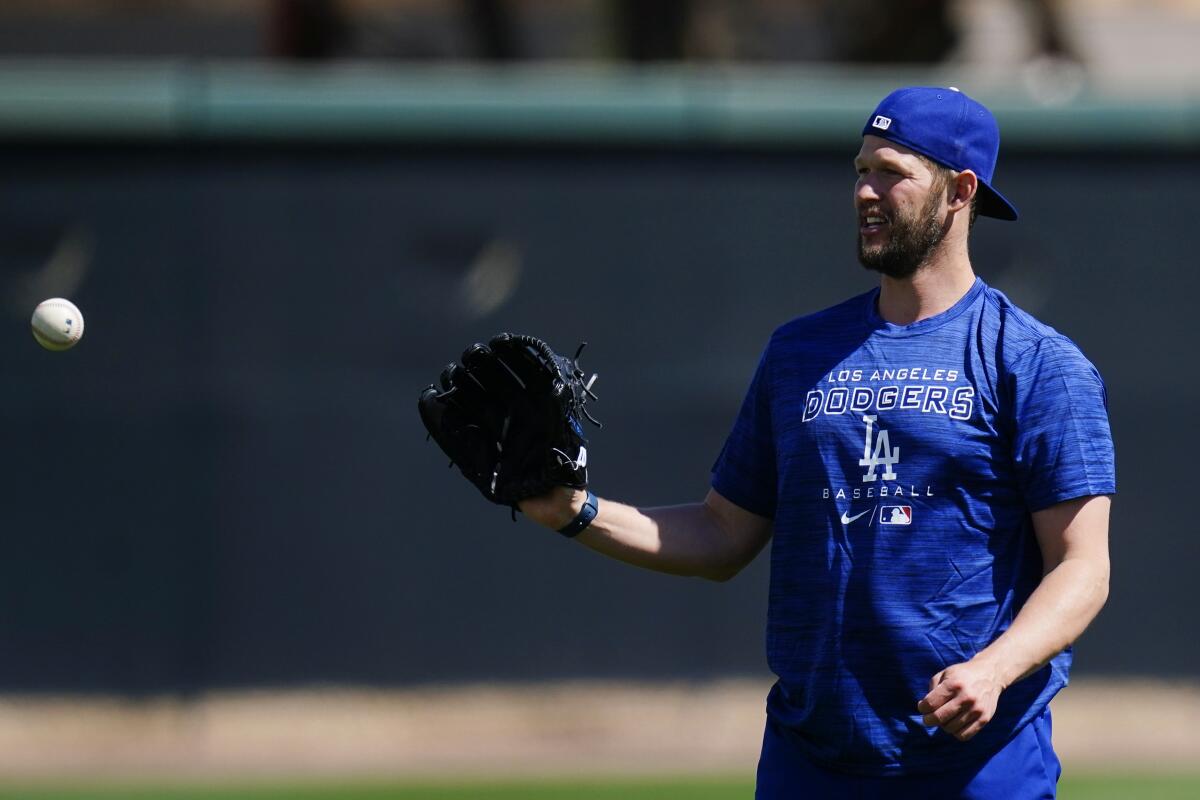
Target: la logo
(878, 453)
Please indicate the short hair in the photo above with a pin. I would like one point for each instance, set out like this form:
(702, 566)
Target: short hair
(942, 175)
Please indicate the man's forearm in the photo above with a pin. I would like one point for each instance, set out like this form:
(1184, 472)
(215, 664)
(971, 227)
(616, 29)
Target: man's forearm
(1073, 537)
(680, 540)
(713, 539)
(1063, 605)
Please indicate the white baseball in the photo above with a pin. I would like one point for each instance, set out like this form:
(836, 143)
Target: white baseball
(57, 324)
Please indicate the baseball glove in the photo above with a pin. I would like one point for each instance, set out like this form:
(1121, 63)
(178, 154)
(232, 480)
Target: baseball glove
(508, 416)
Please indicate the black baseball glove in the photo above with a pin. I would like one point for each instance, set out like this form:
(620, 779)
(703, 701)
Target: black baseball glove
(509, 417)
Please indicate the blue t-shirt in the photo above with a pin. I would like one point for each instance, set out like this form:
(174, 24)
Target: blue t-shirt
(901, 465)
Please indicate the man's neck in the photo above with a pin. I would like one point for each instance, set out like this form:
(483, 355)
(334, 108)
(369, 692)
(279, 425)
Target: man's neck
(932, 289)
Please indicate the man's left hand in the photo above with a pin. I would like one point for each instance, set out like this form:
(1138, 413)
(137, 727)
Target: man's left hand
(962, 699)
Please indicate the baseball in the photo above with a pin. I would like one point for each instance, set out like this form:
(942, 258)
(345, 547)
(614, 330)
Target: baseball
(57, 324)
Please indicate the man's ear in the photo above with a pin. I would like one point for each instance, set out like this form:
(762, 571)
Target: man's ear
(962, 190)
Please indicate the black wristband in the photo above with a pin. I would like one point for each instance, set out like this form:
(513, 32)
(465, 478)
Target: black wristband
(584, 518)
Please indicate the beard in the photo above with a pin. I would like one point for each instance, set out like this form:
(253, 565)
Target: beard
(909, 244)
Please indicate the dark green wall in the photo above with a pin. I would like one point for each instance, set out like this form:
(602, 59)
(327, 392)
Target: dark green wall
(226, 483)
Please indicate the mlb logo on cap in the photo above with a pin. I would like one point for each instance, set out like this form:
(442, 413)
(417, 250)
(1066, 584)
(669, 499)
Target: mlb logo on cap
(882, 122)
(895, 515)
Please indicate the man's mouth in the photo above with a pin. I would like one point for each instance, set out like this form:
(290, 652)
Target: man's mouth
(871, 223)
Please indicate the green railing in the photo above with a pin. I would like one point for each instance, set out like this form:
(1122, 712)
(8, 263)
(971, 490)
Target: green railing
(773, 107)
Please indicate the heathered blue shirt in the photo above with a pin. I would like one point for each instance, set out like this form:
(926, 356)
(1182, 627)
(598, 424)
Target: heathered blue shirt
(901, 465)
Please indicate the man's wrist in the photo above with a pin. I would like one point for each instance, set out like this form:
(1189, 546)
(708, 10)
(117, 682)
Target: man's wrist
(571, 509)
(556, 508)
(587, 511)
(997, 668)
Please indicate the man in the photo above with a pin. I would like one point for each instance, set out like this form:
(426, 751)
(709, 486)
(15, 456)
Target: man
(934, 466)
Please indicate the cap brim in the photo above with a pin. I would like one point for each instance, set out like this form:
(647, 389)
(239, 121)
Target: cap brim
(993, 204)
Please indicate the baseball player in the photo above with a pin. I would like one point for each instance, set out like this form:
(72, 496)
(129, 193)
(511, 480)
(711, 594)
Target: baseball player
(933, 466)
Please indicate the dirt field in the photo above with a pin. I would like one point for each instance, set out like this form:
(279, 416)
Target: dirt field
(528, 730)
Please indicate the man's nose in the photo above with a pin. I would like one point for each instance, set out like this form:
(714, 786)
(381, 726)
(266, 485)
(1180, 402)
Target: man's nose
(864, 191)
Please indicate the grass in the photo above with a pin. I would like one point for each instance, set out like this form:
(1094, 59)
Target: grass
(1088, 787)
(1130, 787)
(662, 789)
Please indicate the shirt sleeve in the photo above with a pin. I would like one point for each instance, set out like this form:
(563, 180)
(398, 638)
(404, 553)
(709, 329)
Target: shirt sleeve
(1062, 447)
(744, 472)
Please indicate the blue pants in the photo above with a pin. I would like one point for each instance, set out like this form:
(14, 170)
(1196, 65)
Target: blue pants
(1026, 769)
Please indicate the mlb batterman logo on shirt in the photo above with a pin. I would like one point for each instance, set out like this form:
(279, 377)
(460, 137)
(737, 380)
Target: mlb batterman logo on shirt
(895, 515)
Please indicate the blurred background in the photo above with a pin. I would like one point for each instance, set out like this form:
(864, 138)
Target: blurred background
(229, 552)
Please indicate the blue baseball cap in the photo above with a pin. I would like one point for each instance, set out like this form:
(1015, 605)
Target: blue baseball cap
(950, 128)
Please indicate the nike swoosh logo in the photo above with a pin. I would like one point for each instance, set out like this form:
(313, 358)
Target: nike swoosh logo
(847, 519)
